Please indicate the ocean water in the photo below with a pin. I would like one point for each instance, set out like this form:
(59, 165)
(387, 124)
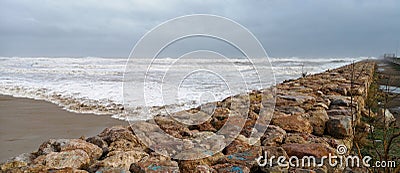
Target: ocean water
(95, 84)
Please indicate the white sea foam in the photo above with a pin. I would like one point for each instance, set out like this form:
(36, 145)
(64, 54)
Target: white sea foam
(94, 84)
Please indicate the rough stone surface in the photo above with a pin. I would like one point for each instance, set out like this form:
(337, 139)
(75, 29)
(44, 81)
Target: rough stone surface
(230, 168)
(385, 117)
(294, 123)
(119, 159)
(64, 159)
(318, 119)
(155, 163)
(120, 133)
(59, 145)
(313, 149)
(273, 136)
(339, 127)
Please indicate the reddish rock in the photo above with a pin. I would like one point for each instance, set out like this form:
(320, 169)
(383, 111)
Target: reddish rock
(274, 151)
(294, 123)
(317, 119)
(190, 165)
(312, 149)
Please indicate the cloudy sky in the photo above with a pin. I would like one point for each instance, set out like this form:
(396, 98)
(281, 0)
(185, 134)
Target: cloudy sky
(304, 28)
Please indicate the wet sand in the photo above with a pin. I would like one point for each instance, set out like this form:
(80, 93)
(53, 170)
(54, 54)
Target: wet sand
(27, 123)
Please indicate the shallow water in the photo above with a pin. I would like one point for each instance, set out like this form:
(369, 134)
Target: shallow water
(94, 84)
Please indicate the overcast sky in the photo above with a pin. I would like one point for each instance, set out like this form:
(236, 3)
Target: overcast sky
(285, 28)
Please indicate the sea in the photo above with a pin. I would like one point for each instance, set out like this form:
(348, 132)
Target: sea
(95, 84)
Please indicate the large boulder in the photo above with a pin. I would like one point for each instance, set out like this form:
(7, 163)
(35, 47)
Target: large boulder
(155, 163)
(290, 109)
(237, 145)
(317, 119)
(294, 123)
(96, 140)
(172, 126)
(339, 111)
(245, 158)
(297, 138)
(271, 165)
(339, 126)
(385, 118)
(116, 133)
(190, 165)
(60, 145)
(294, 99)
(119, 159)
(17, 162)
(312, 149)
(65, 159)
(273, 136)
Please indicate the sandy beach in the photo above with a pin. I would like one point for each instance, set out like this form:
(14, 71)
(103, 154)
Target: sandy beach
(27, 123)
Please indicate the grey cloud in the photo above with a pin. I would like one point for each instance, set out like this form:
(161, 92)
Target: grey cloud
(285, 28)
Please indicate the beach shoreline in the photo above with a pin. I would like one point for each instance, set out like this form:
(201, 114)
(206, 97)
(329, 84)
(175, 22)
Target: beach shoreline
(326, 104)
(26, 123)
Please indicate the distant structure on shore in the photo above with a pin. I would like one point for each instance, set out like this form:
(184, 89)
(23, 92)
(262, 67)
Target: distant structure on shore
(391, 57)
